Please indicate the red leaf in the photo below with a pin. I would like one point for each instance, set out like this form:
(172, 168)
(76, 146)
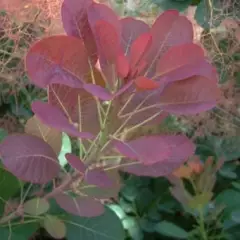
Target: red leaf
(98, 11)
(122, 65)
(54, 117)
(139, 47)
(75, 23)
(190, 96)
(78, 104)
(98, 91)
(57, 59)
(131, 30)
(168, 30)
(99, 178)
(144, 83)
(177, 63)
(80, 206)
(76, 162)
(153, 149)
(107, 40)
(29, 158)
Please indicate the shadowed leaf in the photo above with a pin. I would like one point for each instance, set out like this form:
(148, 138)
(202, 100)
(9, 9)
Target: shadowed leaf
(80, 206)
(99, 178)
(131, 30)
(75, 162)
(153, 149)
(29, 158)
(54, 117)
(143, 83)
(36, 206)
(55, 227)
(75, 23)
(78, 104)
(50, 135)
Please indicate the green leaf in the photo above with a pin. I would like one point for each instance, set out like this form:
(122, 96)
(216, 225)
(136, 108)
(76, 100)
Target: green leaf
(118, 210)
(133, 228)
(66, 148)
(36, 206)
(54, 226)
(180, 5)
(171, 230)
(209, 16)
(3, 134)
(105, 227)
(6, 180)
(236, 216)
(22, 231)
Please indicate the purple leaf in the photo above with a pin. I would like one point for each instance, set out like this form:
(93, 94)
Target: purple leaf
(99, 178)
(98, 91)
(75, 23)
(54, 117)
(57, 59)
(80, 106)
(131, 30)
(80, 206)
(169, 29)
(153, 149)
(29, 158)
(75, 162)
(155, 170)
(190, 96)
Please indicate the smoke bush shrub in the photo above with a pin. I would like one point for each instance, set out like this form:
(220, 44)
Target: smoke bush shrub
(106, 77)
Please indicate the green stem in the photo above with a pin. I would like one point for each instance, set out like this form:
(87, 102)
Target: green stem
(201, 223)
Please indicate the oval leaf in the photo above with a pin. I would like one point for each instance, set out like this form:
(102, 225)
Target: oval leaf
(75, 162)
(50, 135)
(36, 206)
(99, 178)
(153, 149)
(80, 206)
(29, 158)
(46, 64)
(190, 96)
(171, 230)
(55, 227)
(54, 117)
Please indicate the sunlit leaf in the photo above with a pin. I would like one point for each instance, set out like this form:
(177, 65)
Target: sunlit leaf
(200, 200)
(66, 148)
(50, 135)
(54, 226)
(29, 158)
(36, 206)
(46, 64)
(143, 83)
(80, 206)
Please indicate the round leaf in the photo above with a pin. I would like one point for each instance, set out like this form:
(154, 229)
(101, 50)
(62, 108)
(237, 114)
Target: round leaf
(29, 158)
(55, 227)
(36, 206)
